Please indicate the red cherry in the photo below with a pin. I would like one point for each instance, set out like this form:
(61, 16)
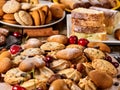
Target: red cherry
(48, 59)
(17, 34)
(17, 87)
(14, 49)
(115, 64)
(108, 58)
(73, 39)
(83, 42)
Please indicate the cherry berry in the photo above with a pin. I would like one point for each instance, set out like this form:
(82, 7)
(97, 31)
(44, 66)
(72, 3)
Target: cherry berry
(48, 59)
(83, 42)
(14, 49)
(17, 87)
(17, 34)
(73, 39)
(115, 64)
(108, 58)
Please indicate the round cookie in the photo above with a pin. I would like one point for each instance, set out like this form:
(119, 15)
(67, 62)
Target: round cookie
(25, 17)
(9, 21)
(25, 6)
(8, 16)
(17, 18)
(11, 6)
(36, 17)
(57, 12)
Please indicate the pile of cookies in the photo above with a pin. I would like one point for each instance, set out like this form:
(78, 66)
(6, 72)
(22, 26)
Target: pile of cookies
(58, 65)
(27, 14)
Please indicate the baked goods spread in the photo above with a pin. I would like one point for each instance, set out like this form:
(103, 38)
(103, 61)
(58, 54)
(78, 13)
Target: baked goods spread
(29, 12)
(53, 65)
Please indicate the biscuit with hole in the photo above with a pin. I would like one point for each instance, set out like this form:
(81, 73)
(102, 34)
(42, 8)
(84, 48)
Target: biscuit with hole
(26, 18)
(49, 17)
(42, 16)
(36, 18)
(8, 16)
(11, 6)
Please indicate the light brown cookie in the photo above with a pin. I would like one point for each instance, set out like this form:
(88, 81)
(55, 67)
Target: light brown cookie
(15, 76)
(25, 17)
(1, 12)
(11, 6)
(48, 17)
(45, 8)
(26, 6)
(58, 38)
(8, 16)
(102, 46)
(2, 2)
(36, 18)
(93, 53)
(57, 12)
(42, 16)
(9, 21)
(69, 53)
(103, 65)
(75, 46)
(51, 46)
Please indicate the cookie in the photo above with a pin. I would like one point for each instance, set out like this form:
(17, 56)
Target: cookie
(75, 46)
(25, 6)
(102, 46)
(57, 12)
(4, 31)
(8, 16)
(9, 21)
(93, 53)
(36, 17)
(11, 6)
(69, 53)
(32, 52)
(45, 8)
(26, 18)
(15, 76)
(23, 18)
(1, 12)
(2, 2)
(51, 46)
(2, 39)
(42, 16)
(103, 65)
(48, 17)
(58, 38)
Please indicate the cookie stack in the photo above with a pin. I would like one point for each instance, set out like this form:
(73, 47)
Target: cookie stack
(88, 24)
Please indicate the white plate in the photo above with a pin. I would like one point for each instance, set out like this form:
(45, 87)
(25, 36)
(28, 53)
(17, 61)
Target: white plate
(41, 26)
(111, 40)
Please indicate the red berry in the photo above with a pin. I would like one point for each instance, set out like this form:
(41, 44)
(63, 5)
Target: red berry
(17, 87)
(17, 34)
(73, 40)
(14, 49)
(48, 59)
(108, 58)
(115, 64)
(83, 42)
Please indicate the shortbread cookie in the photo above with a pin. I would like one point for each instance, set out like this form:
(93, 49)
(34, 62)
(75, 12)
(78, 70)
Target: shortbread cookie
(8, 16)
(9, 21)
(93, 53)
(15, 76)
(103, 65)
(32, 52)
(51, 46)
(11, 6)
(69, 53)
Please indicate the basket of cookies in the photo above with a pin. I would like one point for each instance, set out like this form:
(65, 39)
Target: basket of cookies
(60, 63)
(30, 13)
